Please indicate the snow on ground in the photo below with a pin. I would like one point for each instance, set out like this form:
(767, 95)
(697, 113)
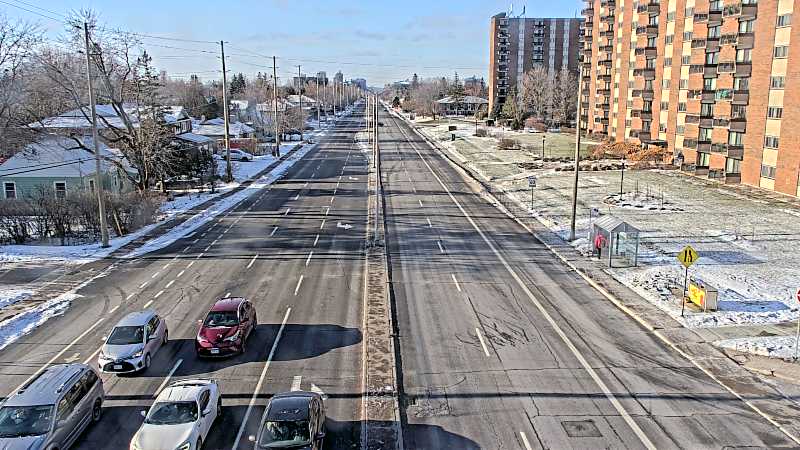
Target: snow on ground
(747, 246)
(22, 324)
(10, 296)
(771, 346)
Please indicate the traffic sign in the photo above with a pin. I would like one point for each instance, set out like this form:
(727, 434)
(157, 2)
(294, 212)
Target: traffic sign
(798, 295)
(532, 181)
(688, 256)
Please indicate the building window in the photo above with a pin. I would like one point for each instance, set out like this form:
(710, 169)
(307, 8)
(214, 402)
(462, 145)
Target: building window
(703, 159)
(777, 82)
(714, 32)
(685, 60)
(704, 134)
(680, 129)
(771, 141)
(743, 55)
(668, 40)
(10, 189)
(664, 106)
(629, 104)
(688, 12)
(768, 172)
(665, 83)
(687, 36)
(733, 166)
(738, 111)
(784, 20)
(707, 110)
(667, 62)
(670, 16)
(709, 84)
(712, 57)
(741, 84)
(682, 107)
(781, 51)
(683, 83)
(774, 112)
(60, 188)
(746, 26)
(735, 138)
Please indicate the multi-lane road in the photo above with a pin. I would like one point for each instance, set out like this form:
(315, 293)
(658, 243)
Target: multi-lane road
(500, 346)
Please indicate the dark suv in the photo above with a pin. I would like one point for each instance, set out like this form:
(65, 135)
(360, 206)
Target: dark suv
(293, 420)
(226, 328)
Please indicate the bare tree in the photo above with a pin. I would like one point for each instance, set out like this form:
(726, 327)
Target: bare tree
(536, 92)
(565, 96)
(424, 97)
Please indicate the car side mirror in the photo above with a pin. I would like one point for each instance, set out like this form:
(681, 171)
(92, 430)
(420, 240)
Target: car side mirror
(207, 412)
(320, 435)
(143, 413)
(61, 423)
(151, 338)
(251, 438)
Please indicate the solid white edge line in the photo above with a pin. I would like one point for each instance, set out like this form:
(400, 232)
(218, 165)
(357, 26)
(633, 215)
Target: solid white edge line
(59, 354)
(458, 286)
(483, 343)
(525, 441)
(252, 403)
(252, 261)
(322, 224)
(299, 282)
(574, 350)
(167, 378)
(430, 225)
(441, 249)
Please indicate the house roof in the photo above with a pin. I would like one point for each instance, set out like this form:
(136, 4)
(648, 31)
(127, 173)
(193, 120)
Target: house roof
(58, 156)
(468, 99)
(216, 127)
(107, 117)
(295, 99)
(194, 138)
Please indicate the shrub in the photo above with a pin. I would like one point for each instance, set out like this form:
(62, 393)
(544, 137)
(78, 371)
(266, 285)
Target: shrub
(15, 220)
(507, 144)
(481, 132)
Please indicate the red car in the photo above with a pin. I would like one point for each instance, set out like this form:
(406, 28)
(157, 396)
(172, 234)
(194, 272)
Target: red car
(226, 328)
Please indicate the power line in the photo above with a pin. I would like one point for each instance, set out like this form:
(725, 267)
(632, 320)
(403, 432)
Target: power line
(32, 11)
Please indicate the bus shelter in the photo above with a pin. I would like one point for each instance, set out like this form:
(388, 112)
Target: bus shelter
(616, 240)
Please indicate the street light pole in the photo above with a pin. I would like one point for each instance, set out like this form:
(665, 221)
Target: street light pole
(98, 177)
(228, 167)
(577, 157)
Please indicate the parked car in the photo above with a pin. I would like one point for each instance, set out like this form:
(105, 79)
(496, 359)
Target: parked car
(133, 342)
(240, 155)
(292, 420)
(181, 417)
(554, 130)
(532, 130)
(226, 328)
(52, 410)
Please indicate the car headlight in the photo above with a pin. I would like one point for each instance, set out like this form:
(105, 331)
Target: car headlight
(185, 446)
(234, 336)
(138, 354)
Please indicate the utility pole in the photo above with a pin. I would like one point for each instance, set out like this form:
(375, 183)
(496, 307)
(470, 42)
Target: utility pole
(98, 177)
(577, 158)
(334, 99)
(275, 102)
(300, 96)
(228, 168)
(318, 100)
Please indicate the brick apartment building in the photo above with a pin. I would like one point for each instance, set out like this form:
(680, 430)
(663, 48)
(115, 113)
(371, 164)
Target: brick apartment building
(707, 79)
(517, 44)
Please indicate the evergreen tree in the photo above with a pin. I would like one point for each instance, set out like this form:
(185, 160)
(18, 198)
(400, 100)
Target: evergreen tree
(396, 102)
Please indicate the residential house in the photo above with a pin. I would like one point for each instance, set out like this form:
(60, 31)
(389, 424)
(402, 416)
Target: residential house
(468, 105)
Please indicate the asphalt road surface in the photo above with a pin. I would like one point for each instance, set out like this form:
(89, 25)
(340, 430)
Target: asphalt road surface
(295, 249)
(503, 348)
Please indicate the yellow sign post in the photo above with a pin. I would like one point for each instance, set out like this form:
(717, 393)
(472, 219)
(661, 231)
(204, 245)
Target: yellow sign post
(687, 257)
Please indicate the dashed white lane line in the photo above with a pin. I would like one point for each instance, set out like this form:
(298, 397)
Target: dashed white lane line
(297, 197)
(214, 242)
(228, 295)
(91, 357)
(186, 249)
(141, 286)
(333, 198)
(308, 260)
(483, 343)
(297, 381)
(316, 239)
(430, 225)
(256, 392)
(441, 249)
(206, 249)
(252, 261)
(287, 211)
(147, 304)
(166, 380)
(420, 203)
(327, 210)
(130, 296)
(299, 282)
(322, 224)
(458, 286)
(154, 275)
(180, 273)
(195, 241)
(111, 311)
(200, 255)
(169, 284)
(273, 231)
(158, 294)
(203, 235)
(190, 264)
(525, 441)
(166, 266)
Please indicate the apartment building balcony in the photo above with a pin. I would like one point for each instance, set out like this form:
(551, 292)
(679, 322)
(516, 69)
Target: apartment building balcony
(604, 77)
(708, 96)
(608, 3)
(606, 62)
(732, 178)
(709, 71)
(738, 124)
(744, 69)
(741, 97)
(704, 146)
(706, 121)
(714, 17)
(726, 67)
(606, 92)
(729, 39)
(745, 40)
(647, 73)
(712, 44)
(585, 105)
(587, 12)
(607, 18)
(649, 30)
(721, 122)
(642, 113)
(749, 11)
(605, 106)
(692, 119)
(648, 52)
(735, 151)
(607, 33)
(606, 48)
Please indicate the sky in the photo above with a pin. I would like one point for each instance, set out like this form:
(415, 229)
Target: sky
(382, 41)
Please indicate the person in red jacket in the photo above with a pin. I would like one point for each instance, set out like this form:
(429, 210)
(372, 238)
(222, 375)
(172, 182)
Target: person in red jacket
(599, 243)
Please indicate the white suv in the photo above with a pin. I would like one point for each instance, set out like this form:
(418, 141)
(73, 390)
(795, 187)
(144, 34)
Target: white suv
(180, 418)
(133, 342)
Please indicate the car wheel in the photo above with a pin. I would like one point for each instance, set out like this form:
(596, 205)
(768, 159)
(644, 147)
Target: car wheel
(244, 346)
(146, 362)
(166, 337)
(199, 444)
(244, 160)
(219, 408)
(97, 410)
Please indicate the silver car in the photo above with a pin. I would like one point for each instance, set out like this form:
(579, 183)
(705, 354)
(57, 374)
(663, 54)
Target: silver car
(51, 410)
(133, 342)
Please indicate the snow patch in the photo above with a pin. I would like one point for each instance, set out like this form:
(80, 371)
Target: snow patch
(10, 296)
(15, 327)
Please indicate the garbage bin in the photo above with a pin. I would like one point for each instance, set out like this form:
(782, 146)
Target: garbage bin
(452, 136)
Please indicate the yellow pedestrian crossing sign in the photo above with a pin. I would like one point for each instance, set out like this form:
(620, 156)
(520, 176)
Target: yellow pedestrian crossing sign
(688, 256)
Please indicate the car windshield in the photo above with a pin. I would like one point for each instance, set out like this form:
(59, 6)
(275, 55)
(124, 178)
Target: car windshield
(126, 336)
(18, 421)
(284, 434)
(221, 319)
(172, 413)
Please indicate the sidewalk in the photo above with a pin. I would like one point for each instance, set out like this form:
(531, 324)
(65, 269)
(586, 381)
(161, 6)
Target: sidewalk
(694, 344)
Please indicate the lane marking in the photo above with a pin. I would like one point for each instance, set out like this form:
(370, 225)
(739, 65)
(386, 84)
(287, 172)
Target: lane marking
(150, 302)
(333, 198)
(273, 231)
(169, 284)
(430, 225)
(322, 224)
(200, 255)
(190, 264)
(316, 239)
(252, 403)
(296, 382)
(166, 265)
(287, 211)
(129, 296)
(252, 261)
(180, 273)
(154, 275)
(204, 234)
(111, 311)
(308, 260)
(458, 286)
(420, 202)
(525, 441)
(297, 197)
(327, 210)
(195, 241)
(186, 249)
(299, 282)
(557, 329)
(483, 343)
(214, 242)
(92, 356)
(141, 286)
(166, 380)
(441, 249)
(206, 249)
